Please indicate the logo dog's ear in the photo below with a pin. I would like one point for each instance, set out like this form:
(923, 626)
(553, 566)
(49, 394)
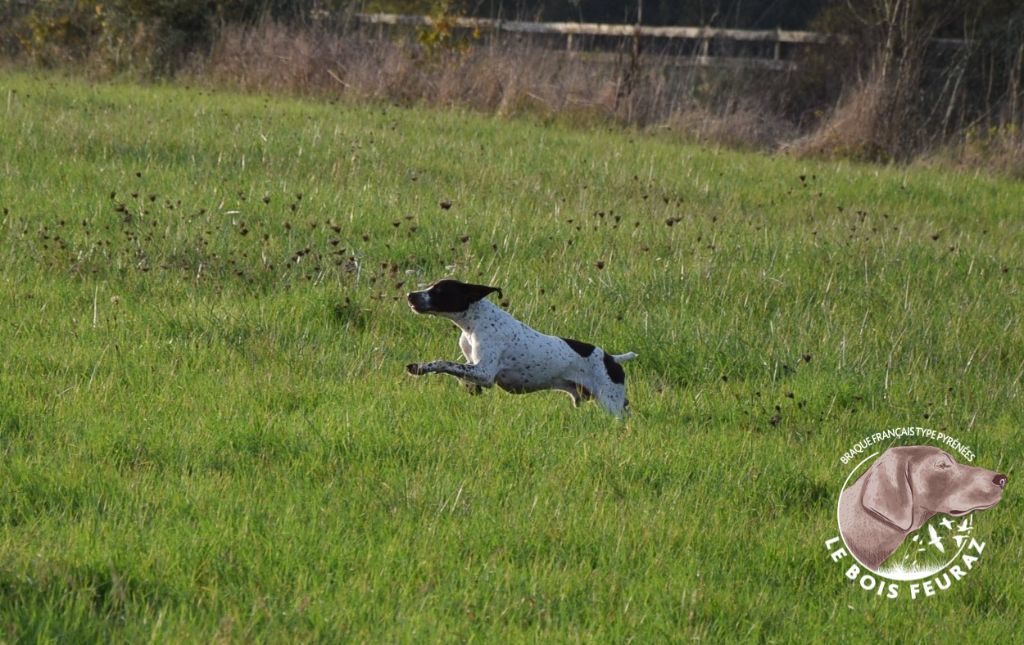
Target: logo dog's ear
(887, 491)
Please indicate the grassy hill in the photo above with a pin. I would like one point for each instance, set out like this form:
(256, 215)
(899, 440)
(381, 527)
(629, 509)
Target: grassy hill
(206, 430)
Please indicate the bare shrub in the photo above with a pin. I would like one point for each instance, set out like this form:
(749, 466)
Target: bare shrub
(269, 57)
(860, 126)
(880, 116)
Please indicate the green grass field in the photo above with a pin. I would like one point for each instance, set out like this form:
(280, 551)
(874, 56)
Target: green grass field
(206, 431)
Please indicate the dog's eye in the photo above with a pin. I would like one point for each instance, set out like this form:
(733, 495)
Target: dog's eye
(944, 465)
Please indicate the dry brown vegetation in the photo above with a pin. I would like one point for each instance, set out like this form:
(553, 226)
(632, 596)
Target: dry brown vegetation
(504, 77)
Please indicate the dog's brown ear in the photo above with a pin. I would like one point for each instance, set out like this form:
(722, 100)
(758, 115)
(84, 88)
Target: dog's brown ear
(887, 491)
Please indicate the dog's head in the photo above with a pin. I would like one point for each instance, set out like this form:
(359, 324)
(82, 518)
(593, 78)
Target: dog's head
(920, 481)
(446, 297)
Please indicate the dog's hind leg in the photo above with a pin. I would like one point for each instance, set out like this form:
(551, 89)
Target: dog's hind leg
(575, 391)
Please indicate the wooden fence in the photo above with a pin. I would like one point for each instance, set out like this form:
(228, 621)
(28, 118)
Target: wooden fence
(777, 42)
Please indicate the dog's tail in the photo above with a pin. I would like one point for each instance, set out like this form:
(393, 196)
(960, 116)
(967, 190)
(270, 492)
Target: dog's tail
(622, 358)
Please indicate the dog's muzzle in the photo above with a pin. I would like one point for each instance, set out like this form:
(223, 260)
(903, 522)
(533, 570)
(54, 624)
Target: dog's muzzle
(419, 301)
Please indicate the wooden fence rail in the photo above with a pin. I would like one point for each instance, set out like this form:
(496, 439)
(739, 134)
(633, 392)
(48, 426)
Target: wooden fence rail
(701, 35)
(596, 29)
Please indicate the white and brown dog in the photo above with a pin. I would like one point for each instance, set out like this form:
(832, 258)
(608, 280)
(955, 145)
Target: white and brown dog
(502, 350)
(902, 490)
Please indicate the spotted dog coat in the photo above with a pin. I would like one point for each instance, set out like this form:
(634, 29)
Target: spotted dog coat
(502, 350)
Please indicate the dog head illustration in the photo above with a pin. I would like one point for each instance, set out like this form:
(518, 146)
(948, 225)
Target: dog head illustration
(902, 490)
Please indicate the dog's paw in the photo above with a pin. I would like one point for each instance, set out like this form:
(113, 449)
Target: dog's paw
(416, 369)
(473, 389)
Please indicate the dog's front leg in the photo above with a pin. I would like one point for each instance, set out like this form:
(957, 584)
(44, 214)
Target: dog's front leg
(481, 374)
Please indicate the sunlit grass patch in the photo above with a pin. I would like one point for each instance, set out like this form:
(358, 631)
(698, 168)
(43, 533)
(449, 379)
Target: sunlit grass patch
(206, 428)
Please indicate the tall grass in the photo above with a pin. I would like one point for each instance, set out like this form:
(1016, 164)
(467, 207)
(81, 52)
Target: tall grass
(206, 431)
